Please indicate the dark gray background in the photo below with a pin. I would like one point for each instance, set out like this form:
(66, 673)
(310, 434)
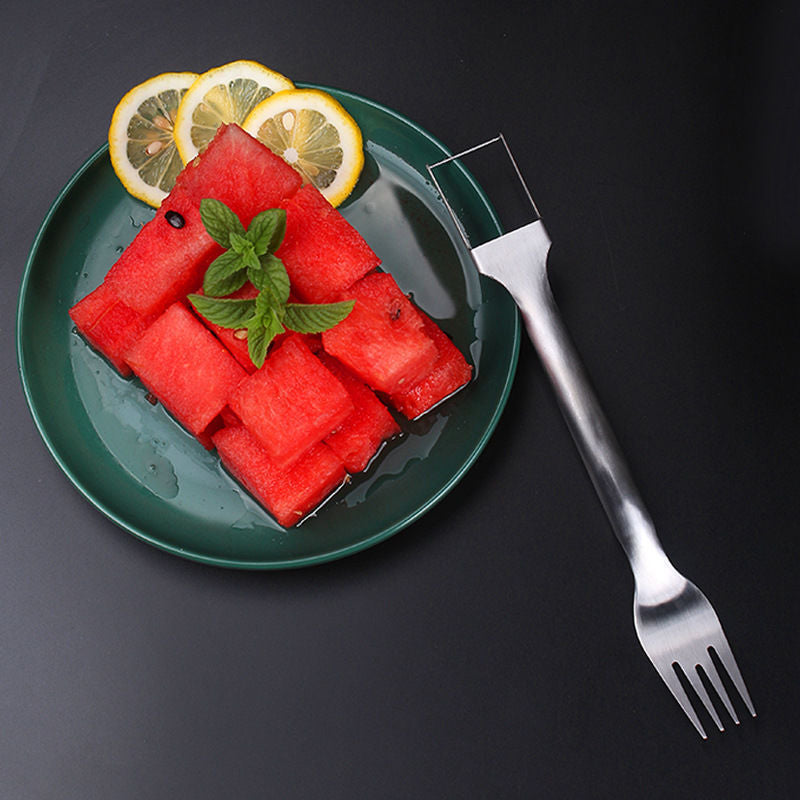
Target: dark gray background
(488, 650)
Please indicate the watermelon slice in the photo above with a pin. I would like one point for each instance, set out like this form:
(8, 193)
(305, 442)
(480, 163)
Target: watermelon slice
(181, 362)
(164, 262)
(449, 373)
(292, 402)
(289, 494)
(370, 424)
(322, 252)
(383, 339)
(109, 325)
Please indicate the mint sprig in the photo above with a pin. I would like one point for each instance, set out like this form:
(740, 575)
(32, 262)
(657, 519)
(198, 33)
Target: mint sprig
(250, 255)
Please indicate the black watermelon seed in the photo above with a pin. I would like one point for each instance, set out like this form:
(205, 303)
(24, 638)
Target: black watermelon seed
(174, 219)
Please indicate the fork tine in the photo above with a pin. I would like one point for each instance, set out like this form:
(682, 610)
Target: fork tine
(723, 651)
(670, 677)
(693, 676)
(710, 670)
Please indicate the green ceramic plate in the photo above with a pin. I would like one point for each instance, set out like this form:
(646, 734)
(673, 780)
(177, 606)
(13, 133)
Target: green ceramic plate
(137, 466)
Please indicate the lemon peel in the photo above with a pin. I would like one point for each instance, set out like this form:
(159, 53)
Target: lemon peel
(221, 95)
(141, 139)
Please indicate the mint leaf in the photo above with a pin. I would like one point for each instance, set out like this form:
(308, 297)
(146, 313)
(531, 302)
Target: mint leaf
(266, 230)
(316, 318)
(257, 342)
(245, 250)
(265, 305)
(261, 330)
(273, 324)
(228, 285)
(226, 311)
(219, 221)
(225, 274)
(239, 242)
(271, 276)
(250, 259)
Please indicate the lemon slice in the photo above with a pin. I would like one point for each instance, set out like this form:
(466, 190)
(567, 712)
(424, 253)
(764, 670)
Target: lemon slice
(222, 95)
(313, 133)
(140, 137)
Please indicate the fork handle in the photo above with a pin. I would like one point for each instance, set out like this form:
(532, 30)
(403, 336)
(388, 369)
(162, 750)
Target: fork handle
(590, 429)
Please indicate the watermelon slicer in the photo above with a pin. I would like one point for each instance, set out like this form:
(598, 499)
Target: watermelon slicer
(675, 623)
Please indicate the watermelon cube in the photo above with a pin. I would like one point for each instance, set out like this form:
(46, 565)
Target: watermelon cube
(322, 252)
(109, 325)
(165, 262)
(292, 402)
(369, 425)
(383, 339)
(449, 373)
(288, 493)
(181, 362)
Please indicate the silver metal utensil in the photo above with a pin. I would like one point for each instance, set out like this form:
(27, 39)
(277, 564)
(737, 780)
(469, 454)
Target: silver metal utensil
(675, 623)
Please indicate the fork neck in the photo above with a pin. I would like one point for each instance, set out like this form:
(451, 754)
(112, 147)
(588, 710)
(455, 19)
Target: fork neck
(594, 438)
(590, 429)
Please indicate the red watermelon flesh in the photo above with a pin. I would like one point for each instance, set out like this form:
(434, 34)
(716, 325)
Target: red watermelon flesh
(181, 362)
(164, 263)
(287, 493)
(369, 425)
(292, 402)
(205, 436)
(322, 252)
(88, 310)
(449, 373)
(229, 417)
(383, 338)
(109, 325)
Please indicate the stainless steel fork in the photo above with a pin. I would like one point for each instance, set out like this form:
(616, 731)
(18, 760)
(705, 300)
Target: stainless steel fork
(675, 623)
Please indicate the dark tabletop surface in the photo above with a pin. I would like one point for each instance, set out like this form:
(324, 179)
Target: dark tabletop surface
(488, 650)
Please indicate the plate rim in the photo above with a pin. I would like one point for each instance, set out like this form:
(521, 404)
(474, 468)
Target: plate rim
(232, 563)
